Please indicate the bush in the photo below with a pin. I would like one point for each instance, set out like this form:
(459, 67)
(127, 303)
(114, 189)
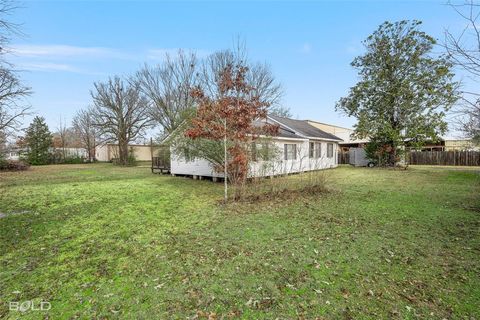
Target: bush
(282, 187)
(11, 165)
(131, 160)
(74, 160)
(383, 153)
(57, 158)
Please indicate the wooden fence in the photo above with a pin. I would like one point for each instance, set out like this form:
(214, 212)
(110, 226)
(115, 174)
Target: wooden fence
(343, 157)
(445, 158)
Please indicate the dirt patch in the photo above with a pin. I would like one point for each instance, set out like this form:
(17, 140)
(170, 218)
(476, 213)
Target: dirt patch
(282, 195)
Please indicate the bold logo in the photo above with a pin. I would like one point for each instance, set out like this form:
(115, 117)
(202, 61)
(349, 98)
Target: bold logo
(29, 305)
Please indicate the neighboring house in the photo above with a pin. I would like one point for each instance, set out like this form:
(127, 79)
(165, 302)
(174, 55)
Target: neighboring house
(451, 144)
(443, 144)
(12, 155)
(300, 147)
(341, 132)
(109, 151)
(15, 153)
(70, 152)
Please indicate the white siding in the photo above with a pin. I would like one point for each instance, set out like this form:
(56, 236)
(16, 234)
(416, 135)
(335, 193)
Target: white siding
(302, 162)
(197, 167)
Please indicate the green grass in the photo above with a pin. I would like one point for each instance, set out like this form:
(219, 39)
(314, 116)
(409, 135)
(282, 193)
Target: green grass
(103, 242)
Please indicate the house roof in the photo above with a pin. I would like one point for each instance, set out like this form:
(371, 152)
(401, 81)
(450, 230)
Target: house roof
(283, 131)
(289, 128)
(303, 128)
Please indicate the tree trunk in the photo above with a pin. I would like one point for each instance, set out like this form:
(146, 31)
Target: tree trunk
(123, 152)
(393, 155)
(225, 161)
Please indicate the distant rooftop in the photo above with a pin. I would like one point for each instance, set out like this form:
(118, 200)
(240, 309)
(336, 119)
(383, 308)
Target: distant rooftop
(303, 128)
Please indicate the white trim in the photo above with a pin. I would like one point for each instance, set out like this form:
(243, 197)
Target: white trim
(280, 138)
(325, 139)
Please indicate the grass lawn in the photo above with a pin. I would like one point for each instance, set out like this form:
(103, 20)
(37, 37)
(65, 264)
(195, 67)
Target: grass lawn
(101, 242)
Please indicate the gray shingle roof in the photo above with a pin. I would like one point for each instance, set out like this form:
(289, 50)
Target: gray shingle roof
(283, 131)
(303, 128)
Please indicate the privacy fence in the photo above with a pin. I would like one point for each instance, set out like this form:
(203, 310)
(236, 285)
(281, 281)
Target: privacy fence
(445, 158)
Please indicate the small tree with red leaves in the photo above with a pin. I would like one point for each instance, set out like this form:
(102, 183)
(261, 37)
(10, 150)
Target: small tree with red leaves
(230, 117)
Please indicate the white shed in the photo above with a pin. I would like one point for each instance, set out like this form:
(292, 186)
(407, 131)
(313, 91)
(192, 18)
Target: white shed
(358, 157)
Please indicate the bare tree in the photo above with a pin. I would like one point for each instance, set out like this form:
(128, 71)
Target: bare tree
(13, 106)
(83, 126)
(258, 75)
(464, 50)
(168, 87)
(261, 78)
(63, 135)
(120, 113)
(3, 144)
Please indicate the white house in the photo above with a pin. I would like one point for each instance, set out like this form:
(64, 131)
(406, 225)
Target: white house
(298, 147)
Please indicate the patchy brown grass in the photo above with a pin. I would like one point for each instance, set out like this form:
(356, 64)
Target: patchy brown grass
(103, 242)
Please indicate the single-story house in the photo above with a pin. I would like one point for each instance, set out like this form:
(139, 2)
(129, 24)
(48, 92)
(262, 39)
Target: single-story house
(298, 147)
(12, 154)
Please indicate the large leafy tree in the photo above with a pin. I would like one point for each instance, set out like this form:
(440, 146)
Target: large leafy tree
(39, 141)
(404, 89)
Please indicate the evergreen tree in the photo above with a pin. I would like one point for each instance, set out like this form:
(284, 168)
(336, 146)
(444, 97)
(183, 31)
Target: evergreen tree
(39, 140)
(404, 90)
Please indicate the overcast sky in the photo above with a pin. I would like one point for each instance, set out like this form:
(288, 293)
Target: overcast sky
(309, 45)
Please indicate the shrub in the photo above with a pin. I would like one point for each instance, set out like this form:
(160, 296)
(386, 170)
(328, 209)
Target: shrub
(383, 153)
(132, 160)
(11, 165)
(74, 160)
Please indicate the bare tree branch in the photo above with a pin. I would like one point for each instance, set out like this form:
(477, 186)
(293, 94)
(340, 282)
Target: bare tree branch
(83, 125)
(13, 106)
(464, 50)
(168, 86)
(121, 113)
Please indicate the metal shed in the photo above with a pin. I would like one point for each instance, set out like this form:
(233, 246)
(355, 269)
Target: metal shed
(358, 157)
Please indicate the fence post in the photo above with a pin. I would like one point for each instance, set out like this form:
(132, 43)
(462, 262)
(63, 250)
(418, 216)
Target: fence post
(151, 147)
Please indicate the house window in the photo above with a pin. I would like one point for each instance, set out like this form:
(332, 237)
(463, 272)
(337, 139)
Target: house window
(318, 150)
(290, 151)
(315, 149)
(260, 151)
(253, 150)
(187, 154)
(265, 152)
(330, 150)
